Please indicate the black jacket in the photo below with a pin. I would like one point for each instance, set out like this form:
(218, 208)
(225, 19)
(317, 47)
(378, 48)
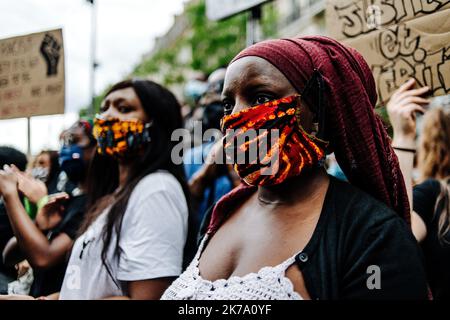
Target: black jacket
(358, 241)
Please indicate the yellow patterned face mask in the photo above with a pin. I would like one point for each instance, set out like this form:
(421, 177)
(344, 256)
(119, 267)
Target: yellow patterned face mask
(120, 139)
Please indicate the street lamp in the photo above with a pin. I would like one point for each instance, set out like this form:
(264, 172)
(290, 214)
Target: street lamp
(93, 63)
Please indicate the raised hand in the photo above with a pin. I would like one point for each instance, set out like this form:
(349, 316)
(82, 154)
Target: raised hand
(50, 50)
(33, 189)
(8, 181)
(402, 106)
(51, 214)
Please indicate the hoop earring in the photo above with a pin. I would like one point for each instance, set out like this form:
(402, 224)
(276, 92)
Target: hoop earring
(315, 128)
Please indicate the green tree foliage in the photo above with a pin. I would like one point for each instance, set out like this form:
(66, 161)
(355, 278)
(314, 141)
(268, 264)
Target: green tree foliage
(213, 45)
(165, 61)
(84, 113)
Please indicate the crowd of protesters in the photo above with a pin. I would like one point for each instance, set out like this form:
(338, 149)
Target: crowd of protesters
(333, 209)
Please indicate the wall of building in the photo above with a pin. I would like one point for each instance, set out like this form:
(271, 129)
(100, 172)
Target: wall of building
(300, 17)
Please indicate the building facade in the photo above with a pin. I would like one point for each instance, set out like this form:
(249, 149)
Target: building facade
(293, 18)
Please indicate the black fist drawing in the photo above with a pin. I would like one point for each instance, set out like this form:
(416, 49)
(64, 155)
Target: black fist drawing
(50, 50)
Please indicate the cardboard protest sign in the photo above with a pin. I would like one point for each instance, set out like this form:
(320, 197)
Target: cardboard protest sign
(32, 75)
(409, 50)
(416, 44)
(352, 18)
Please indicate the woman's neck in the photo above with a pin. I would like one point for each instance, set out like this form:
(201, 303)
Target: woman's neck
(124, 170)
(304, 187)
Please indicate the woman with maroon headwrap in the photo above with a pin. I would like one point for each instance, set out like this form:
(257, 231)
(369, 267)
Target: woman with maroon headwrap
(290, 231)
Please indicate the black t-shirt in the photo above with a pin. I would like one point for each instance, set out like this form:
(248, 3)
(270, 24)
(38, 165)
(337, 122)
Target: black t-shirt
(50, 280)
(7, 274)
(52, 184)
(437, 253)
(6, 232)
(358, 241)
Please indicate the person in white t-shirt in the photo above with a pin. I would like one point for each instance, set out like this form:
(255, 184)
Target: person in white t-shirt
(137, 234)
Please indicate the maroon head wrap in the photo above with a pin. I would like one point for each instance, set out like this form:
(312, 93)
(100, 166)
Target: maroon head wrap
(357, 135)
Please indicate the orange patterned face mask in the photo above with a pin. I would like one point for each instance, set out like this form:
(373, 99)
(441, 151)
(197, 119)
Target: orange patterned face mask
(283, 148)
(120, 139)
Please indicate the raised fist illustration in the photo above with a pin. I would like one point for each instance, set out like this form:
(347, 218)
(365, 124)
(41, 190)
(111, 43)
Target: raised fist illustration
(50, 50)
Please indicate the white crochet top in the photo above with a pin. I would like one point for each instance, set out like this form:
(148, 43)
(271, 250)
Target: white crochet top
(269, 283)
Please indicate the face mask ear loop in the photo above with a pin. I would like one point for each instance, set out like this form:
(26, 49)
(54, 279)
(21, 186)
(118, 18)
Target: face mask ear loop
(319, 109)
(316, 78)
(321, 112)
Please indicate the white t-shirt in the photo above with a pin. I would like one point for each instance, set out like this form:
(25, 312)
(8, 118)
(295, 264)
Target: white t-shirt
(153, 234)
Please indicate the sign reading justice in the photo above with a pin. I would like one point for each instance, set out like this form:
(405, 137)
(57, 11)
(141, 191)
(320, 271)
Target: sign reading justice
(399, 39)
(32, 75)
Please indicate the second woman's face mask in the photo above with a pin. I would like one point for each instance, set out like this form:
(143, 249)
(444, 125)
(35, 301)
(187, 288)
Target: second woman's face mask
(121, 138)
(71, 162)
(272, 129)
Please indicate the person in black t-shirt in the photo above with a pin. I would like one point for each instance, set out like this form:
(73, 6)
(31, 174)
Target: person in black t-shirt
(431, 203)
(46, 242)
(69, 222)
(430, 198)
